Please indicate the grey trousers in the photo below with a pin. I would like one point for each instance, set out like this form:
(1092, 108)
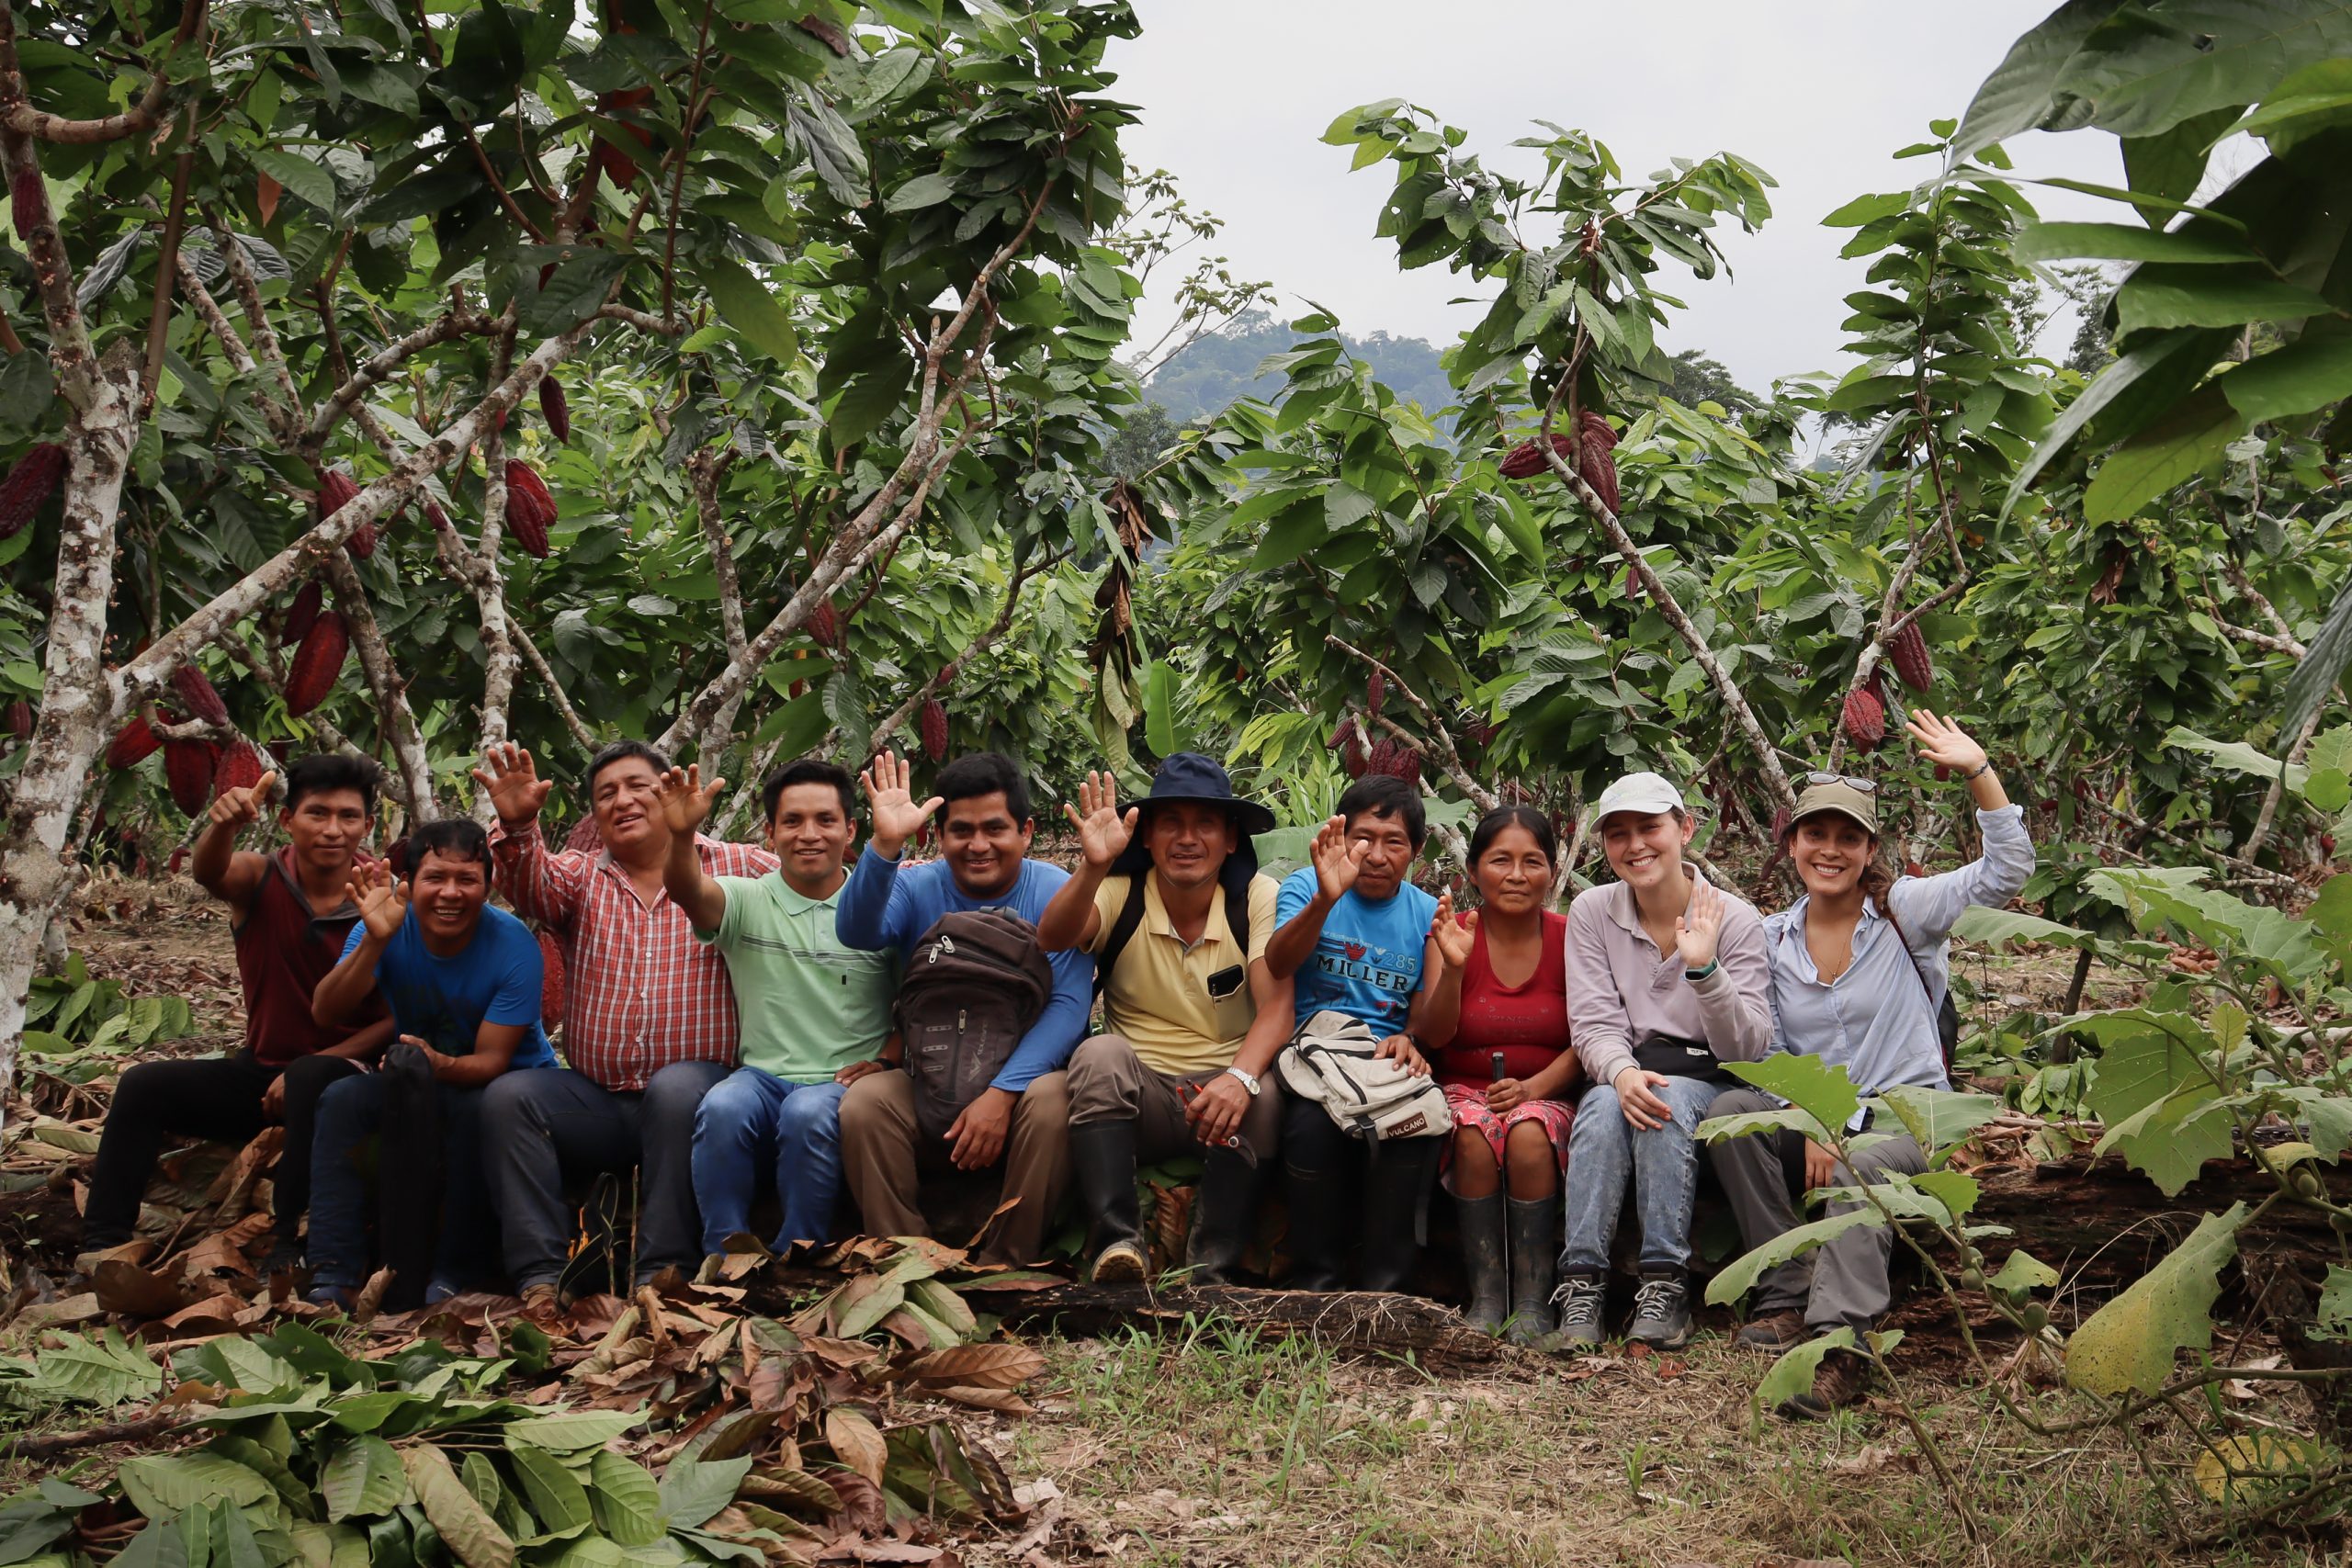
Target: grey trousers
(1841, 1284)
(538, 1128)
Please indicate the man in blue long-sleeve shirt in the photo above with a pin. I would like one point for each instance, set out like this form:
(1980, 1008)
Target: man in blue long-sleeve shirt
(1021, 1119)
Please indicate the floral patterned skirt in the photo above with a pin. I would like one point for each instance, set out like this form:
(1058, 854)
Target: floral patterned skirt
(1469, 1107)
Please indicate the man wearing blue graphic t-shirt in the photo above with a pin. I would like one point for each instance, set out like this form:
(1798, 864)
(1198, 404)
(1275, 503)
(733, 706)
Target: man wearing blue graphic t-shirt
(1354, 938)
(462, 981)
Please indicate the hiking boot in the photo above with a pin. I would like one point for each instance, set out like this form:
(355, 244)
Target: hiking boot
(1534, 1232)
(1774, 1331)
(1662, 1313)
(1393, 1190)
(1582, 1299)
(1102, 1165)
(1121, 1263)
(1480, 1220)
(1840, 1381)
(1223, 1207)
(284, 1258)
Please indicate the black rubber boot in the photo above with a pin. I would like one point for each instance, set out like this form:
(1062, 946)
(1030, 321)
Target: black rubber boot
(1480, 1220)
(1317, 1203)
(1535, 1235)
(1102, 1162)
(1223, 1207)
(1395, 1195)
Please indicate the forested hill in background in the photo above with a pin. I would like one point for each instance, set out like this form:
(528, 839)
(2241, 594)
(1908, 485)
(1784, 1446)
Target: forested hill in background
(1216, 369)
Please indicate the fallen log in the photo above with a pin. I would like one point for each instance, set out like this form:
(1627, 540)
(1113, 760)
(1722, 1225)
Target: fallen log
(1350, 1320)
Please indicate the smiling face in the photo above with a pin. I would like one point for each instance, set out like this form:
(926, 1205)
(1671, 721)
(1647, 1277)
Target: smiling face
(1188, 840)
(984, 844)
(1387, 854)
(1514, 874)
(1830, 851)
(447, 893)
(811, 833)
(626, 796)
(325, 827)
(1645, 847)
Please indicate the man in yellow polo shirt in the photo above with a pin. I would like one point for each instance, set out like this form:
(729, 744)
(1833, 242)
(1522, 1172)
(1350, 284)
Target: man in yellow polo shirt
(1167, 898)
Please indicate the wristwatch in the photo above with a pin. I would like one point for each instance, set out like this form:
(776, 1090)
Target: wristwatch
(1249, 1080)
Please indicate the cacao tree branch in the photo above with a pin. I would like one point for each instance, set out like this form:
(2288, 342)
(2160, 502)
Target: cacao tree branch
(897, 716)
(1670, 610)
(384, 680)
(159, 318)
(1448, 757)
(68, 339)
(379, 366)
(2259, 873)
(21, 118)
(265, 336)
(579, 732)
(333, 738)
(2275, 794)
(706, 470)
(500, 659)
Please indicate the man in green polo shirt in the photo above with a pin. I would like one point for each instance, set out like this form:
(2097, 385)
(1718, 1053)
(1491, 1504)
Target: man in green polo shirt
(815, 1015)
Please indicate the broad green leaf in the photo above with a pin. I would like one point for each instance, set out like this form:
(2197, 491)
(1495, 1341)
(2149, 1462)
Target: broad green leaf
(1741, 1274)
(1716, 1129)
(2170, 1141)
(1791, 1375)
(2002, 928)
(2128, 393)
(1160, 684)
(161, 1486)
(2129, 1345)
(555, 1494)
(2326, 658)
(1956, 1192)
(299, 177)
(104, 1370)
(2141, 1065)
(2021, 1272)
(575, 292)
(2335, 1300)
(571, 1432)
(1819, 1089)
(2310, 373)
(464, 1526)
(692, 1491)
(1936, 1118)
(745, 304)
(2176, 449)
(2128, 242)
(364, 1476)
(2201, 297)
(2239, 757)
(626, 1502)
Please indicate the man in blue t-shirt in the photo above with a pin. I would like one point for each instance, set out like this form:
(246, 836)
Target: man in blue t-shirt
(1354, 938)
(1021, 1119)
(463, 983)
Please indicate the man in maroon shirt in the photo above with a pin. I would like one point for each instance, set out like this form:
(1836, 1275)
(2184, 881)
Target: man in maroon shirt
(289, 915)
(649, 1018)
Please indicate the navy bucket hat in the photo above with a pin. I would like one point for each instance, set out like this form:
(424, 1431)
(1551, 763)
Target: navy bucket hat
(1187, 777)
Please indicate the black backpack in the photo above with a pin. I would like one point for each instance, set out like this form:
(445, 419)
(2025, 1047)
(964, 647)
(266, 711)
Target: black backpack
(974, 986)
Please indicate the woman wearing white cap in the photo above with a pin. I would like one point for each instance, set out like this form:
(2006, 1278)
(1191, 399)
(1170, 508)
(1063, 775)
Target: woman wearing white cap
(1860, 971)
(1666, 981)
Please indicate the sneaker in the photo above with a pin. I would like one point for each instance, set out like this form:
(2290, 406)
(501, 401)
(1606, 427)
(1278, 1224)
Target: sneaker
(1840, 1381)
(341, 1298)
(284, 1258)
(1662, 1313)
(1581, 1299)
(1774, 1331)
(1121, 1263)
(440, 1290)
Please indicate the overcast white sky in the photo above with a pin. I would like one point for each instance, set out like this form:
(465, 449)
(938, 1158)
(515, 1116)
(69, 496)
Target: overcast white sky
(1235, 97)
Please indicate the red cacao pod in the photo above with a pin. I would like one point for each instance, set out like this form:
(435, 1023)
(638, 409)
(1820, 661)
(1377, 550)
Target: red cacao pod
(825, 625)
(362, 543)
(555, 410)
(552, 991)
(28, 484)
(2328, 845)
(1376, 692)
(303, 614)
(438, 518)
(1908, 651)
(1526, 459)
(1865, 718)
(934, 729)
(793, 692)
(617, 165)
(317, 662)
(25, 202)
(335, 491)
(530, 510)
(1943, 772)
(132, 744)
(202, 701)
(241, 766)
(188, 770)
(1348, 741)
(1595, 431)
(1596, 460)
(20, 719)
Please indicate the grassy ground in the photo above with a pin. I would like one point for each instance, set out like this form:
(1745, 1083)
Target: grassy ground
(1211, 1449)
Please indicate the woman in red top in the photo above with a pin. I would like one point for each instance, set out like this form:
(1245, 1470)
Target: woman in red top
(1508, 1075)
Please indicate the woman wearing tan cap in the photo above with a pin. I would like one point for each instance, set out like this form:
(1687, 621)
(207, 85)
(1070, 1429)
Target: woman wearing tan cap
(1860, 970)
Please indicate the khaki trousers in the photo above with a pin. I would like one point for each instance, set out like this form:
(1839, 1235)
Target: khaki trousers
(884, 1158)
(1108, 1082)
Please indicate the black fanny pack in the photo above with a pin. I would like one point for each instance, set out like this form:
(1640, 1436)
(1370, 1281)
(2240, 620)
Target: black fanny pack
(1679, 1058)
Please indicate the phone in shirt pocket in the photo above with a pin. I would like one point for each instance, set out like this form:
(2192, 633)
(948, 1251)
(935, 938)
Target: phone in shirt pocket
(1228, 991)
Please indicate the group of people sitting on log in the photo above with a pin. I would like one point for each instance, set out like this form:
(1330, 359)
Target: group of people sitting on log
(738, 1022)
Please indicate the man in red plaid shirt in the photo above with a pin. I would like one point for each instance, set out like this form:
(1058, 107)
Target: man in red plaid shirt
(649, 1018)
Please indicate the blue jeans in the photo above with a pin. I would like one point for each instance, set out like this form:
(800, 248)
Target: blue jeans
(1605, 1151)
(752, 1119)
(352, 1111)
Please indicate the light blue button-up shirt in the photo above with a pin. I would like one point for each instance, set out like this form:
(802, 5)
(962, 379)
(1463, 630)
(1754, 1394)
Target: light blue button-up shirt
(1878, 1019)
